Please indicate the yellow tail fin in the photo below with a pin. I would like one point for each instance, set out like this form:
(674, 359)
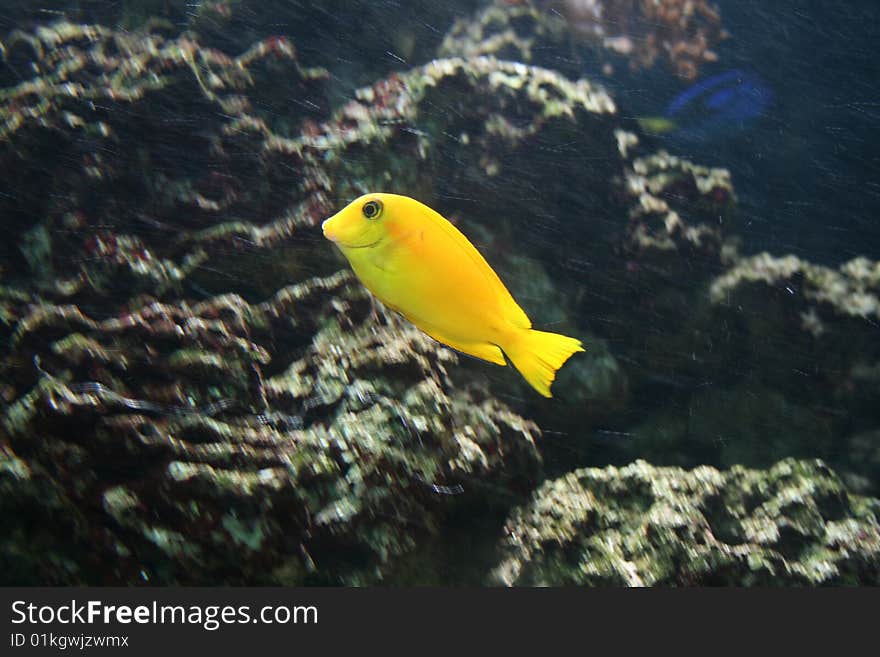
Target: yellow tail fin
(537, 355)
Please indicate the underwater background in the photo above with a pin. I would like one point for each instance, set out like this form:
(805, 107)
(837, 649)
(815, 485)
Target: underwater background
(196, 390)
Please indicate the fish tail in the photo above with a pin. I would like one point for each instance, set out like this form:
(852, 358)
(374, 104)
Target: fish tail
(538, 355)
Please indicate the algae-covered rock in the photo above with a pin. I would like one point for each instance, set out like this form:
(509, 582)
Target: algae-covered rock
(222, 220)
(642, 525)
(312, 437)
(791, 316)
(207, 436)
(44, 534)
(193, 392)
(679, 33)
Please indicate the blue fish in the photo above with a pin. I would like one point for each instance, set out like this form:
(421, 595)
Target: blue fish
(717, 106)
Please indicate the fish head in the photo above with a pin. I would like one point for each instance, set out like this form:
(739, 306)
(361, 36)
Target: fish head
(360, 224)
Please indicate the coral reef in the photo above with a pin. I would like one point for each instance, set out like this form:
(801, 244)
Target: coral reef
(754, 357)
(318, 437)
(355, 37)
(192, 391)
(43, 537)
(656, 225)
(850, 291)
(641, 32)
(639, 525)
(96, 91)
(681, 31)
(819, 322)
(319, 442)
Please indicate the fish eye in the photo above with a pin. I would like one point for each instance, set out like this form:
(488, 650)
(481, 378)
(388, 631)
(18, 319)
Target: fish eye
(372, 209)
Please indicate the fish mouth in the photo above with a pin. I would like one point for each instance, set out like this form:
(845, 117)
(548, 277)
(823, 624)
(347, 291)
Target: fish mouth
(324, 229)
(340, 243)
(358, 246)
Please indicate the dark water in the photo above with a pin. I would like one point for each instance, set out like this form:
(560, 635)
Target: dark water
(167, 398)
(811, 166)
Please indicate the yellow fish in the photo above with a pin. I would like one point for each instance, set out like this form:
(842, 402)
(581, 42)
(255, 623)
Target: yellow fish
(656, 125)
(419, 264)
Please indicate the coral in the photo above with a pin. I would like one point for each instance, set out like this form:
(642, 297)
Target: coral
(320, 441)
(851, 291)
(505, 30)
(93, 91)
(227, 209)
(43, 538)
(193, 392)
(737, 360)
(641, 525)
(244, 185)
(816, 321)
(331, 30)
(682, 32)
(655, 180)
(81, 66)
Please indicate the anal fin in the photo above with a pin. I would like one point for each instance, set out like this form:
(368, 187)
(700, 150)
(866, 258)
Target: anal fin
(485, 350)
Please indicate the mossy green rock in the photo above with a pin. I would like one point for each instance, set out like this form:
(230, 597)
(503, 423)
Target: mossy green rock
(312, 438)
(642, 525)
